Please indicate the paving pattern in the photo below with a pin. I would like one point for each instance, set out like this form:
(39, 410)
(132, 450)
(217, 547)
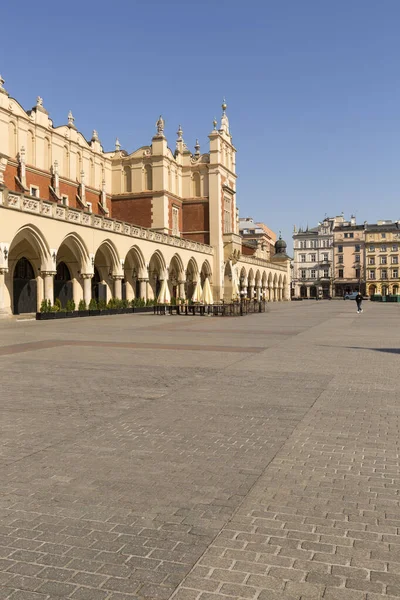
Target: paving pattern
(158, 458)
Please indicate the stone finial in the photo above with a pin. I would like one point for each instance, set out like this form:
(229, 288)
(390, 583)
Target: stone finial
(215, 124)
(197, 148)
(2, 90)
(39, 101)
(160, 126)
(71, 119)
(95, 136)
(117, 145)
(224, 118)
(179, 133)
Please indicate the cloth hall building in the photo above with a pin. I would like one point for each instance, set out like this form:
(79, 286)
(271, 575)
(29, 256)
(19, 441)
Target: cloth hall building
(77, 222)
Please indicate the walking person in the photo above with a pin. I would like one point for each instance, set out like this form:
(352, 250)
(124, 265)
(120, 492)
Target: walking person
(359, 300)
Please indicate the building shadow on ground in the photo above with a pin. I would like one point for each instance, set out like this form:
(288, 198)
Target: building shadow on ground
(389, 350)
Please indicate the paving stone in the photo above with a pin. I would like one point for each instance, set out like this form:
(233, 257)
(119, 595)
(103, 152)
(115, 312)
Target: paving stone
(136, 476)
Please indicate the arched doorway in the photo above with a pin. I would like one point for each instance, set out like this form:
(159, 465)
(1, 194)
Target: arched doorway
(24, 288)
(99, 289)
(313, 291)
(395, 290)
(157, 273)
(303, 291)
(63, 284)
(372, 290)
(192, 272)
(385, 290)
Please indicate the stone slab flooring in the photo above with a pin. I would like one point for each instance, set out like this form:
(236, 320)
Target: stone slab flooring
(196, 458)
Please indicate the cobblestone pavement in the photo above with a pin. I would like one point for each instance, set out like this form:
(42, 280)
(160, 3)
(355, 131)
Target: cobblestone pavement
(159, 458)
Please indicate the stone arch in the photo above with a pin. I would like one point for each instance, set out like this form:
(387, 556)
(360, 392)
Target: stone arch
(205, 271)
(176, 276)
(157, 273)
(284, 289)
(108, 265)
(192, 274)
(22, 293)
(134, 271)
(74, 254)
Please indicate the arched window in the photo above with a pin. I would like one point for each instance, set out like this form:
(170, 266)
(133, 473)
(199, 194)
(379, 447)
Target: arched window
(196, 185)
(65, 162)
(46, 153)
(12, 140)
(148, 177)
(23, 269)
(128, 179)
(91, 173)
(78, 165)
(30, 159)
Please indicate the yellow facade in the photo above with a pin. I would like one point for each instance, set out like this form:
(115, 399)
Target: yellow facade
(382, 259)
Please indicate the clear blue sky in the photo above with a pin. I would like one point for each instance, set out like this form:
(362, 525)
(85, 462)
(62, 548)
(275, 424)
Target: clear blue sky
(313, 89)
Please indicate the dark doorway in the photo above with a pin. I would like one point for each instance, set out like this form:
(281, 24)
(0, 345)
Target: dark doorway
(99, 290)
(137, 288)
(63, 284)
(303, 291)
(313, 291)
(24, 288)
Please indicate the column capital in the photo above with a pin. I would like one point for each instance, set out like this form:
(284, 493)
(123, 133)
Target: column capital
(3, 270)
(87, 275)
(146, 279)
(117, 277)
(48, 273)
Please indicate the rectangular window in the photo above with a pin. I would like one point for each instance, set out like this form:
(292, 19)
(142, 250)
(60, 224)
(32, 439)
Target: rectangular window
(302, 258)
(346, 235)
(372, 248)
(383, 260)
(64, 200)
(312, 257)
(340, 248)
(357, 258)
(34, 191)
(340, 258)
(326, 273)
(227, 215)
(340, 273)
(395, 273)
(175, 220)
(357, 248)
(371, 260)
(358, 273)
(395, 248)
(395, 260)
(303, 273)
(384, 274)
(325, 257)
(351, 235)
(383, 235)
(383, 248)
(372, 274)
(89, 206)
(313, 274)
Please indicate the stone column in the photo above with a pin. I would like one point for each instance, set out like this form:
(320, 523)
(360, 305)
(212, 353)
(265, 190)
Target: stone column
(182, 294)
(143, 288)
(48, 278)
(274, 294)
(129, 287)
(270, 294)
(258, 293)
(251, 292)
(118, 286)
(87, 287)
(3, 309)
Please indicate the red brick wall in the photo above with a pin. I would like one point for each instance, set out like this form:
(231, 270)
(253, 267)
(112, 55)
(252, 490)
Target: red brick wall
(43, 181)
(196, 218)
(132, 210)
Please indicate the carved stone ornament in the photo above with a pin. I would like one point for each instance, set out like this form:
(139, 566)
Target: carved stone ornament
(160, 126)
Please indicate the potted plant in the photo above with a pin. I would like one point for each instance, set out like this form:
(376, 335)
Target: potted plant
(93, 308)
(45, 311)
(102, 306)
(57, 309)
(82, 309)
(70, 308)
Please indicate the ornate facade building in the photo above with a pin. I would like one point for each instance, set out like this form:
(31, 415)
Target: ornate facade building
(382, 249)
(78, 222)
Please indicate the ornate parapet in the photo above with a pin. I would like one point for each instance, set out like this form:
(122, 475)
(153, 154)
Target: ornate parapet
(45, 208)
(259, 262)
